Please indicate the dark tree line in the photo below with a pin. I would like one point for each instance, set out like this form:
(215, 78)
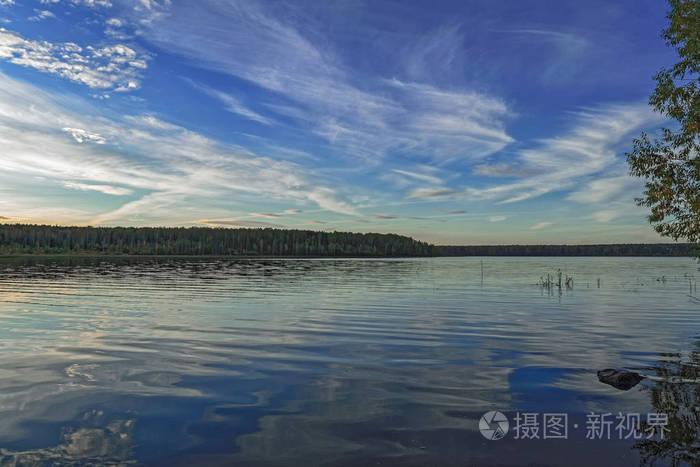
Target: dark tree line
(631, 249)
(44, 239)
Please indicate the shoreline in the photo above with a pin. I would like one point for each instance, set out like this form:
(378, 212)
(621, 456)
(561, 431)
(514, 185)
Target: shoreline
(131, 256)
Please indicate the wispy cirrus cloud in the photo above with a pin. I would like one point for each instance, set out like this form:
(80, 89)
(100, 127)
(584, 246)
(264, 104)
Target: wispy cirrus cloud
(606, 215)
(580, 155)
(587, 149)
(231, 103)
(235, 223)
(569, 48)
(384, 217)
(615, 193)
(106, 189)
(433, 193)
(437, 49)
(540, 225)
(503, 169)
(381, 117)
(419, 176)
(605, 189)
(177, 169)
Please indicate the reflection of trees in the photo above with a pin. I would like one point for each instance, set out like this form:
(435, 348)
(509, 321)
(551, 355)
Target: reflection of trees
(47, 268)
(675, 393)
(109, 445)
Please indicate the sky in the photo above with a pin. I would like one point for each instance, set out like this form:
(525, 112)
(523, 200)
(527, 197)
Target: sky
(454, 122)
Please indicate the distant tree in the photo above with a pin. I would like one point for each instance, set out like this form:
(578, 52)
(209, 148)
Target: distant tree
(670, 163)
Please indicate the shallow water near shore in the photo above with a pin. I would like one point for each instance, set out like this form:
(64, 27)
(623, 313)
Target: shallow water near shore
(341, 361)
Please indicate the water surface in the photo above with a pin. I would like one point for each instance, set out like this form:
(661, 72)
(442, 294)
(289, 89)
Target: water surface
(338, 361)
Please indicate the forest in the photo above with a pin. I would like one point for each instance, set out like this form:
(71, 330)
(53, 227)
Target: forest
(44, 239)
(613, 249)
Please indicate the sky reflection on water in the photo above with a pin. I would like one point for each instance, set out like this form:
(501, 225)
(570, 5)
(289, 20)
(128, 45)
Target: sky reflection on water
(334, 362)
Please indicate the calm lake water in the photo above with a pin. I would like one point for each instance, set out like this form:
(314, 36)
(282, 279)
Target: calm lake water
(341, 362)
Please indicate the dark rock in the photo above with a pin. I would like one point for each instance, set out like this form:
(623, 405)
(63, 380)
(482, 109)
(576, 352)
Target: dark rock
(623, 380)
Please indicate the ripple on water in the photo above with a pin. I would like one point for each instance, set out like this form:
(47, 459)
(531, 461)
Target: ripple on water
(349, 361)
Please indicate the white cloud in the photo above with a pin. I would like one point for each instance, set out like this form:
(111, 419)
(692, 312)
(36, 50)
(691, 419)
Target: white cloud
(587, 151)
(93, 3)
(605, 216)
(589, 148)
(540, 226)
(231, 103)
(7, 2)
(419, 176)
(86, 3)
(114, 22)
(569, 49)
(151, 122)
(83, 136)
(116, 67)
(435, 52)
(502, 169)
(432, 192)
(183, 172)
(497, 218)
(235, 223)
(329, 199)
(379, 118)
(610, 197)
(106, 189)
(605, 189)
(449, 123)
(41, 15)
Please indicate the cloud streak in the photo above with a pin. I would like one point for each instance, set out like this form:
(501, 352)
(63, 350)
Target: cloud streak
(381, 117)
(231, 103)
(106, 189)
(540, 226)
(580, 155)
(177, 168)
(236, 223)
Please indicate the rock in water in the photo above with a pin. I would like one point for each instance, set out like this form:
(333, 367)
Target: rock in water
(623, 380)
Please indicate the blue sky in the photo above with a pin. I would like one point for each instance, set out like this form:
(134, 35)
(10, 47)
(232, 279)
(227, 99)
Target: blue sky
(462, 122)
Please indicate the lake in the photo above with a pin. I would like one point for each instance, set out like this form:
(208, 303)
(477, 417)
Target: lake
(168, 361)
